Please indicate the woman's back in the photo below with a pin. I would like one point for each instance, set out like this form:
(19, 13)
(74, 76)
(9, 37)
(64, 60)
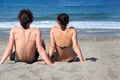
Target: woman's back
(63, 43)
(63, 40)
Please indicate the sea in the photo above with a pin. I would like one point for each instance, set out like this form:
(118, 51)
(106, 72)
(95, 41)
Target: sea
(91, 18)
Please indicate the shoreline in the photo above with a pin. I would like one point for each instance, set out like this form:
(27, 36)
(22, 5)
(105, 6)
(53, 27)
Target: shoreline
(81, 33)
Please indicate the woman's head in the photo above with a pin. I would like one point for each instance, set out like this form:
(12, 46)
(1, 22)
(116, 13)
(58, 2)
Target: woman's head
(25, 16)
(63, 19)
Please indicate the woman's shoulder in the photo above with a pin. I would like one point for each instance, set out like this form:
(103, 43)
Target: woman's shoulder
(71, 28)
(54, 28)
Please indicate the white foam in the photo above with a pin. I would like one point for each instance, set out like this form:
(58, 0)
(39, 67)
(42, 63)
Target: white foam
(8, 24)
(95, 24)
(76, 24)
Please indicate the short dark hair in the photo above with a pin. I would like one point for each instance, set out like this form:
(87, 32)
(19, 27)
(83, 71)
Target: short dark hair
(25, 16)
(64, 20)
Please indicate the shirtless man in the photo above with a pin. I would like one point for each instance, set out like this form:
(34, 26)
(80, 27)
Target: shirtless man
(26, 41)
(63, 41)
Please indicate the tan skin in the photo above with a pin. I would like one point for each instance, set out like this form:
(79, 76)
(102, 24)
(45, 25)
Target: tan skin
(67, 38)
(26, 42)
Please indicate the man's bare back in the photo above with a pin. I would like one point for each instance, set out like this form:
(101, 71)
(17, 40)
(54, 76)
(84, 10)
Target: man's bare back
(25, 43)
(25, 40)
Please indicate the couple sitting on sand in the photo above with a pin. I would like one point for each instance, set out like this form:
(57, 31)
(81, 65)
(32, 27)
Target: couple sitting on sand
(25, 43)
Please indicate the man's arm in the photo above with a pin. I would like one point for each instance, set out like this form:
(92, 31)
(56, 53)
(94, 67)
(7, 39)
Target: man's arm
(9, 48)
(40, 48)
(52, 46)
(76, 46)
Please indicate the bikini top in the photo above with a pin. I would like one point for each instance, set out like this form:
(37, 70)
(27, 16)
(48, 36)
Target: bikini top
(63, 47)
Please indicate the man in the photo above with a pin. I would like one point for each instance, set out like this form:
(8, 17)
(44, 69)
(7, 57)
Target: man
(26, 41)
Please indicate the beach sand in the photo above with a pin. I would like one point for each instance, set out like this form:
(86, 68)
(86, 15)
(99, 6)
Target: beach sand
(103, 63)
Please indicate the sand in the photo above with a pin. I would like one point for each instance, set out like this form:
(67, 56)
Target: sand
(103, 55)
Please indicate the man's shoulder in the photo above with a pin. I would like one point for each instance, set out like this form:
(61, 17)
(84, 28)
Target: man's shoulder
(35, 29)
(15, 28)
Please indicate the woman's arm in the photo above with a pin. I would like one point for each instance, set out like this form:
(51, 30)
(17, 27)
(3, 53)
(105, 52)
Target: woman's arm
(52, 44)
(76, 46)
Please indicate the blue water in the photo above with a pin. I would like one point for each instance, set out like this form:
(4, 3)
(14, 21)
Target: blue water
(78, 10)
(96, 16)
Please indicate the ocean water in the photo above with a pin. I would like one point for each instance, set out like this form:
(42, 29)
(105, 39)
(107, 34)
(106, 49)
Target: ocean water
(90, 17)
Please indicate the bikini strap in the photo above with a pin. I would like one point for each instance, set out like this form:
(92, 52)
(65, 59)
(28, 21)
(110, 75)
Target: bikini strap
(63, 47)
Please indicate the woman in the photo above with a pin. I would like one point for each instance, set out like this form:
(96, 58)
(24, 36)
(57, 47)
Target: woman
(63, 41)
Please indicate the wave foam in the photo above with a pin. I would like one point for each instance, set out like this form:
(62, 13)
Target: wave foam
(76, 24)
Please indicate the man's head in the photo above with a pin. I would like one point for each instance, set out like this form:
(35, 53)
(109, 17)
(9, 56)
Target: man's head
(25, 17)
